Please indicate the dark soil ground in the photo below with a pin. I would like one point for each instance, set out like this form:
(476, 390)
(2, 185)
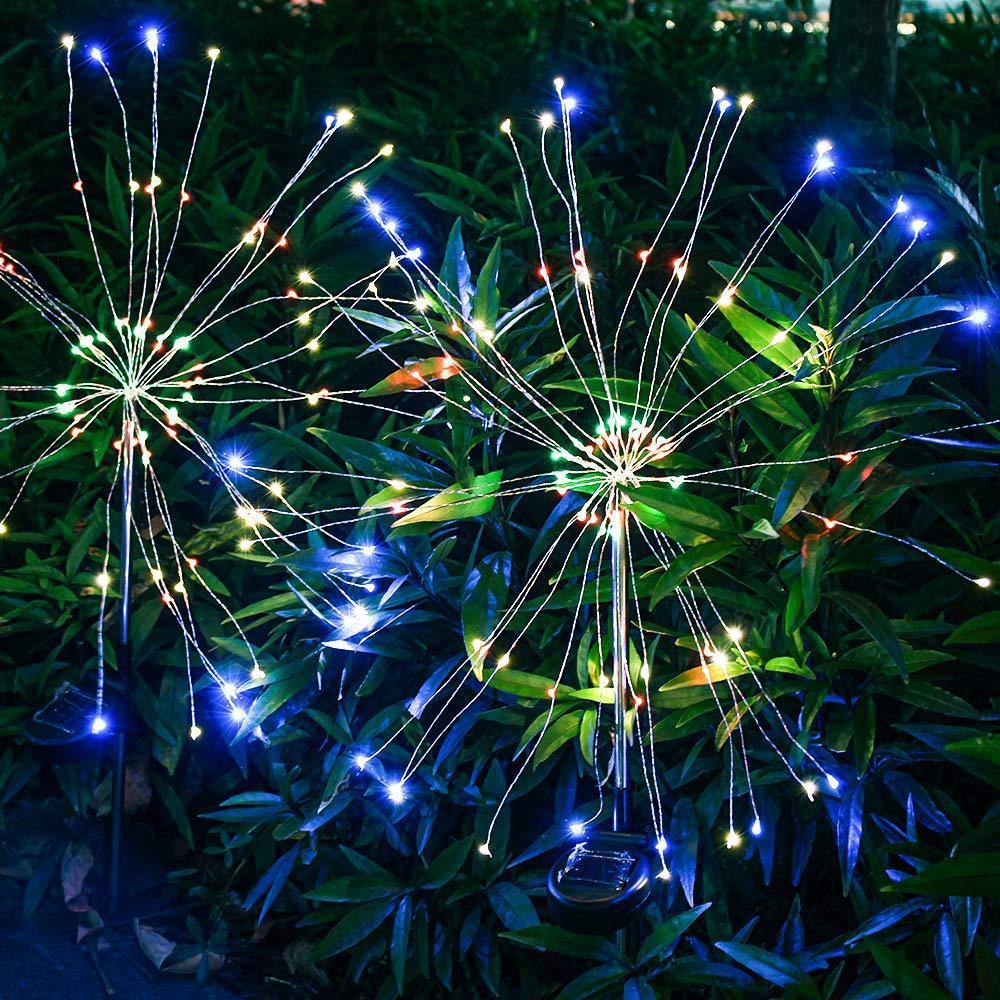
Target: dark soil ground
(48, 965)
(41, 956)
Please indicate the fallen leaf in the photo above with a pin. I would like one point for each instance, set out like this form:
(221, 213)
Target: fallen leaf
(155, 946)
(77, 862)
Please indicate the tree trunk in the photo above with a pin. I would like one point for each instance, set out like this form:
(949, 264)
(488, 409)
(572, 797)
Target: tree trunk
(861, 77)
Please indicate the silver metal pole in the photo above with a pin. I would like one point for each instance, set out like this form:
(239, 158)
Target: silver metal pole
(123, 685)
(622, 816)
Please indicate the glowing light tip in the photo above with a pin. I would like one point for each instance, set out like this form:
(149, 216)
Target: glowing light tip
(569, 103)
(918, 226)
(357, 619)
(809, 787)
(984, 581)
(67, 42)
(947, 257)
(661, 844)
(505, 126)
(484, 850)
(360, 761)
(396, 792)
(978, 316)
(235, 463)
(194, 732)
(832, 782)
(96, 54)
(577, 829)
(902, 206)
(238, 714)
(663, 875)
(745, 101)
(546, 120)
(358, 189)
(823, 163)
(559, 83)
(717, 94)
(98, 725)
(344, 115)
(152, 37)
(229, 689)
(386, 150)
(732, 839)
(214, 53)
(756, 828)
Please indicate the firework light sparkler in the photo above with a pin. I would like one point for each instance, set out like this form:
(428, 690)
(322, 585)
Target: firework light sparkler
(147, 362)
(638, 502)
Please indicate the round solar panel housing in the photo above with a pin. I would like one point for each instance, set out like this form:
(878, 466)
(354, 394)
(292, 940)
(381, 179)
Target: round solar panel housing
(599, 883)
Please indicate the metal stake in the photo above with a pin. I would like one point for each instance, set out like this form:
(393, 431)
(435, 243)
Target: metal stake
(621, 818)
(124, 659)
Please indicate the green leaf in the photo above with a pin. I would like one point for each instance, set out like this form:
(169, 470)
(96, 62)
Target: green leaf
(759, 334)
(525, 685)
(376, 460)
(892, 408)
(512, 906)
(976, 631)
(455, 273)
(445, 866)
(745, 377)
(563, 942)
(911, 983)
(788, 665)
(689, 562)
(400, 941)
(484, 595)
(661, 943)
(456, 502)
(797, 490)
(874, 622)
(562, 730)
(486, 305)
(927, 695)
(771, 967)
(987, 747)
(970, 875)
(463, 181)
(902, 311)
(683, 516)
(356, 889)
(353, 929)
(594, 983)
(172, 803)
